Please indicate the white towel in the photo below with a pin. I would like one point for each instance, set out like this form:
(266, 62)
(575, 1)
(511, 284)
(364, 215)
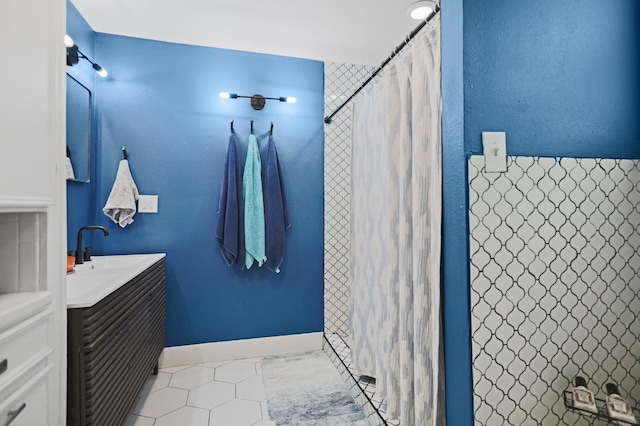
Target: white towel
(70, 174)
(121, 204)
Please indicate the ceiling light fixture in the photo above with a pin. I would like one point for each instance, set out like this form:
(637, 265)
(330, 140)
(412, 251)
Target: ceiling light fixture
(421, 9)
(257, 101)
(74, 55)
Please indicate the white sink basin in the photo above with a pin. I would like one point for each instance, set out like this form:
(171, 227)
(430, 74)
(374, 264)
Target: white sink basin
(93, 281)
(111, 262)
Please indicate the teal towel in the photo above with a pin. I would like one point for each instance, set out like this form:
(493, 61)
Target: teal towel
(253, 206)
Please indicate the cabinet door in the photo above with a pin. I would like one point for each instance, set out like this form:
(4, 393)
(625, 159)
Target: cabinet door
(32, 140)
(31, 83)
(29, 405)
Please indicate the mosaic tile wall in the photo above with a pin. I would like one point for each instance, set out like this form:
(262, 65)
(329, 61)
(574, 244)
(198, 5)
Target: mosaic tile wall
(555, 277)
(341, 80)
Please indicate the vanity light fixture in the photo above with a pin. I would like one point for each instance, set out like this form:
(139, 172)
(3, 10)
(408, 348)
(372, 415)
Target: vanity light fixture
(257, 101)
(68, 41)
(421, 9)
(74, 55)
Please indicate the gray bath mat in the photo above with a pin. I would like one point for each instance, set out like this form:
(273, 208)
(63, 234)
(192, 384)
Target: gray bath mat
(304, 389)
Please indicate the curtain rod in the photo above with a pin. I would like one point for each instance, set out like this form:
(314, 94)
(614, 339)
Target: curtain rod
(397, 50)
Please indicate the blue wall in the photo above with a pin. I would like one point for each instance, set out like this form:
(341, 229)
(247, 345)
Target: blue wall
(561, 79)
(161, 102)
(455, 224)
(80, 196)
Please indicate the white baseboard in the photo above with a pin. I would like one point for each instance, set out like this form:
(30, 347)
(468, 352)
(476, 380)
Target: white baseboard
(237, 349)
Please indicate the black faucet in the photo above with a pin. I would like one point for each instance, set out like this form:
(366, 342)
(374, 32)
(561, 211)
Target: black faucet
(79, 255)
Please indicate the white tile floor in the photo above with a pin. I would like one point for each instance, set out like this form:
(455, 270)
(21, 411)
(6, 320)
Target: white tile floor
(229, 393)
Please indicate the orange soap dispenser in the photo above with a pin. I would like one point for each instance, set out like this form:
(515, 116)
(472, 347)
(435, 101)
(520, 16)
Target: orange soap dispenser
(71, 263)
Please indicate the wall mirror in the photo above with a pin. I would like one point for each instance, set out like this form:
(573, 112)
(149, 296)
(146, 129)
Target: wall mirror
(78, 131)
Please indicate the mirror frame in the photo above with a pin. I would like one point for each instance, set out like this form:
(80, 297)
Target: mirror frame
(89, 130)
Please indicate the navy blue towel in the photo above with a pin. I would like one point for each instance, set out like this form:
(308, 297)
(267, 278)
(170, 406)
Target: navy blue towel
(276, 217)
(229, 217)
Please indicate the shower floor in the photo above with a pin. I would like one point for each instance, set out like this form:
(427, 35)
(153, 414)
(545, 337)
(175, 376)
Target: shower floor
(363, 391)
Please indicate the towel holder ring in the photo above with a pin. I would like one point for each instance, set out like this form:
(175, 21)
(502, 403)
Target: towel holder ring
(124, 153)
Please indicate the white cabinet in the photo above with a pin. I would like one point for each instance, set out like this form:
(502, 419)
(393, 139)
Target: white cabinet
(32, 213)
(26, 359)
(27, 406)
(23, 343)
(29, 84)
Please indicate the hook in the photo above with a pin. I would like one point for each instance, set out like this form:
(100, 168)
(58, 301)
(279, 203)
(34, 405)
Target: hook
(124, 153)
(271, 130)
(68, 152)
(251, 126)
(231, 126)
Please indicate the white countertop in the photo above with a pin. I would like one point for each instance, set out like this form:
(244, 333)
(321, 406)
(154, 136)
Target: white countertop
(93, 281)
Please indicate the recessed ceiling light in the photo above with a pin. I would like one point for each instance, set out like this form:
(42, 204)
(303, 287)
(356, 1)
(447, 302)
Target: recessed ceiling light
(421, 9)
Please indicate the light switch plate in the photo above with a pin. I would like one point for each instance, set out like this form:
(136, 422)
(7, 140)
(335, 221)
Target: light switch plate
(148, 204)
(494, 146)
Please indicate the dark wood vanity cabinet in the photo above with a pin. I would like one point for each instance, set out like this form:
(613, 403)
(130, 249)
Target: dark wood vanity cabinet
(112, 348)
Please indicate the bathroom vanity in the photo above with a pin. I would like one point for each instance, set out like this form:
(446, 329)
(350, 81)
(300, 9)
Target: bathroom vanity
(115, 335)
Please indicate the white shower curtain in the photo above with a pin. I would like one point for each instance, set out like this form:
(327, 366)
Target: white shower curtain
(396, 232)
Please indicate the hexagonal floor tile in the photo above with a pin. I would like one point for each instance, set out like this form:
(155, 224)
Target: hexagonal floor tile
(215, 364)
(191, 377)
(171, 370)
(211, 395)
(237, 412)
(253, 360)
(252, 388)
(236, 371)
(265, 409)
(186, 416)
(138, 421)
(161, 402)
(154, 383)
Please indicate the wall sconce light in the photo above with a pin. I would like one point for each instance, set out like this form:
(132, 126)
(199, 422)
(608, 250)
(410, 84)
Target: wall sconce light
(74, 55)
(421, 9)
(257, 101)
